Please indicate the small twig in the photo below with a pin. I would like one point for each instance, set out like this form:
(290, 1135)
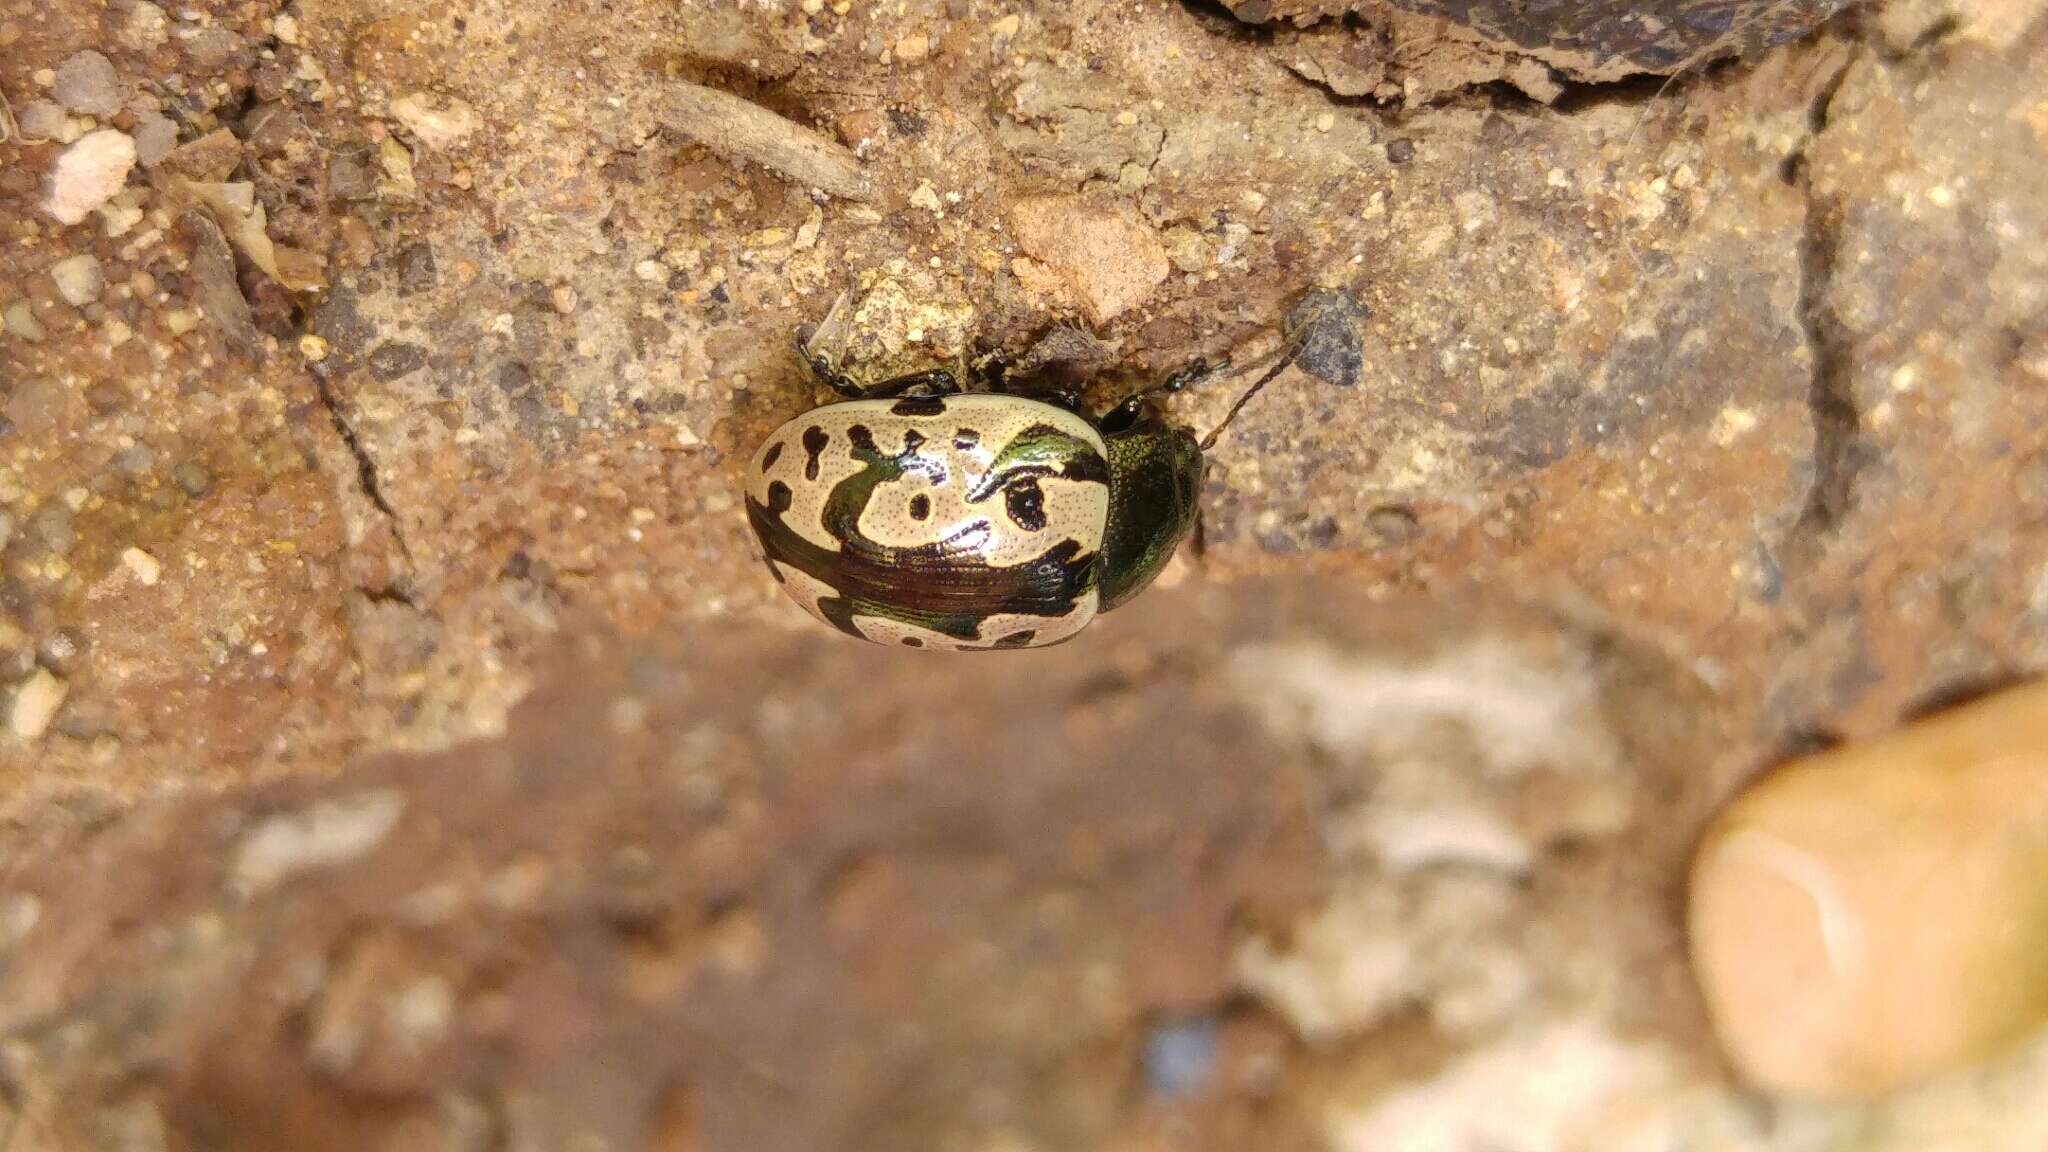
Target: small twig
(9, 130)
(739, 129)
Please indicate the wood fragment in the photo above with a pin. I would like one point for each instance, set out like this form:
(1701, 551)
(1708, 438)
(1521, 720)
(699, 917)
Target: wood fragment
(738, 129)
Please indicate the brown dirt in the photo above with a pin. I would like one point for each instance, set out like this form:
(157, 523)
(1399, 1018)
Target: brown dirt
(1735, 381)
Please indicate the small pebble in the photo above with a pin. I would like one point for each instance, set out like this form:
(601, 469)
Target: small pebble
(313, 348)
(1875, 915)
(121, 214)
(1107, 261)
(78, 278)
(1325, 122)
(193, 478)
(88, 174)
(86, 84)
(20, 320)
(563, 298)
(40, 120)
(439, 122)
(145, 568)
(146, 27)
(36, 701)
(913, 48)
(155, 136)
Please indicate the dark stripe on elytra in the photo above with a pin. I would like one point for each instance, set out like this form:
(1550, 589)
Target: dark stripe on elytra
(1017, 639)
(815, 439)
(912, 642)
(773, 454)
(1041, 450)
(918, 406)
(944, 587)
(966, 438)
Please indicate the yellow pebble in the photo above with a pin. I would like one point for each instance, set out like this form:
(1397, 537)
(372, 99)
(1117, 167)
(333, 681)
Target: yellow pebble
(1875, 915)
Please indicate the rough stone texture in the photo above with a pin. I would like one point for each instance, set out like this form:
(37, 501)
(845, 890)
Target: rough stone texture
(1929, 511)
(1747, 368)
(1588, 40)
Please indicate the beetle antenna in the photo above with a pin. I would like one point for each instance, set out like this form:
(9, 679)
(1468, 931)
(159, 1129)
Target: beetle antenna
(1293, 349)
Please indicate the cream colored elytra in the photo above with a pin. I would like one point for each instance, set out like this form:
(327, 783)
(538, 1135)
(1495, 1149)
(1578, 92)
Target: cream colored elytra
(959, 506)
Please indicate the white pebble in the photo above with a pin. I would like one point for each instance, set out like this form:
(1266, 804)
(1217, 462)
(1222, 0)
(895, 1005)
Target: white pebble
(329, 833)
(79, 280)
(145, 568)
(88, 174)
(36, 702)
(20, 320)
(437, 121)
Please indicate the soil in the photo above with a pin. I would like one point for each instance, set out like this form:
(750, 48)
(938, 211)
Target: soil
(406, 748)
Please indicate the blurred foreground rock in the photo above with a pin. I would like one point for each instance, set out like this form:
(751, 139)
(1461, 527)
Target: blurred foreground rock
(756, 888)
(1878, 914)
(1238, 869)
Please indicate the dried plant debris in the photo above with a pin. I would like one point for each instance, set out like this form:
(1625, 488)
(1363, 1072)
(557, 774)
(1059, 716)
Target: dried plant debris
(736, 128)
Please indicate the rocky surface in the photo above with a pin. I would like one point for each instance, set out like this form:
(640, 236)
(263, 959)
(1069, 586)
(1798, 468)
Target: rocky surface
(390, 337)
(1405, 48)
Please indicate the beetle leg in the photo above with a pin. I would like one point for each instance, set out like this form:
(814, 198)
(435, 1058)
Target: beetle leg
(1187, 375)
(821, 370)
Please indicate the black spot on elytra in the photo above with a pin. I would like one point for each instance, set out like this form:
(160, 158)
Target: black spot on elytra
(863, 440)
(1025, 501)
(779, 497)
(815, 439)
(912, 642)
(912, 441)
(918, 406)
(774, 454)
(920, 507)
(966, 438)
(1017, 639)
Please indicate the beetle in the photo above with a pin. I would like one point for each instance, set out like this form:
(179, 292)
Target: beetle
(915, 512)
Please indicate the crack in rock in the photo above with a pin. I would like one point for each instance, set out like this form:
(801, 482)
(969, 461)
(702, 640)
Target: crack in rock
(366, 467)
(1831, 398)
